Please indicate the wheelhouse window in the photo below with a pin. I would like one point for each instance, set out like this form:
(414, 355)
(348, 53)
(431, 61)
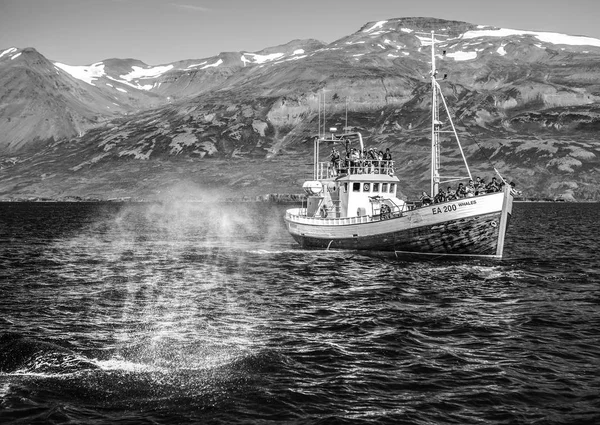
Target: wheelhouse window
(384, 187)
(367, 187)
(346, 187)
(375, 187)
(355, 187)
(392, 187)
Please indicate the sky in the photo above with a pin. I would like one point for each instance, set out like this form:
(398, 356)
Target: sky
(82, 32)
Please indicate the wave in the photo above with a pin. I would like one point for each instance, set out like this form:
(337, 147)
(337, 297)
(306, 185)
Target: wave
(20, 355)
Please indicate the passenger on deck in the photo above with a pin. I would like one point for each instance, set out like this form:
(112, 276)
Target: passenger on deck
(470, 189)
(347, 162)
(513, 189)
(479, 186)
(380, 162)
(386, 212)
(450, 194)
(335, 161)
(363, 162)
(354, 161)
(425, 199)
(482, 189)
(387, 158)
(493, 186)
(440, 197)
(371, 158)
(460, 191)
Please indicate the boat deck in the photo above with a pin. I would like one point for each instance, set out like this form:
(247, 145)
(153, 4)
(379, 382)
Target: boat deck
(299, 215)
(328, 170)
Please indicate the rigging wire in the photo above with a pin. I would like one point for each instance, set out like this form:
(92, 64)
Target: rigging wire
(472, 138)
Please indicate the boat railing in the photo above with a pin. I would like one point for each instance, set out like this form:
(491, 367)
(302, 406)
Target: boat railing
(298, 215)
(331, 169)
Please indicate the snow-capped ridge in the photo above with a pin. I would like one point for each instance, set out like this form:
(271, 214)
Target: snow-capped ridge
(547, 37)
(375, 26)
(8, 51)
(259, 59)
(146, 73)
(87, 74)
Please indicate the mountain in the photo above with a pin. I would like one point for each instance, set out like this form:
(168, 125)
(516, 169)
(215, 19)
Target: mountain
(528, 104)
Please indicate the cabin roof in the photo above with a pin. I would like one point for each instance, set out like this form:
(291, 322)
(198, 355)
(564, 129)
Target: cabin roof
(367, 178)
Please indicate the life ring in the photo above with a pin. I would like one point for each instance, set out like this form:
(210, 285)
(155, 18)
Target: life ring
(323, 212)
(494, 224)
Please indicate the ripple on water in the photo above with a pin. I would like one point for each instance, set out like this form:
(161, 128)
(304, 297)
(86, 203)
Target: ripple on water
(199, 315)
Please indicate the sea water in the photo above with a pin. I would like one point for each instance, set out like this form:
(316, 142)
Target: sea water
(179, 313)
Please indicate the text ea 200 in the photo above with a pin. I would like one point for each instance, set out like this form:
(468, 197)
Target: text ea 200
(444, 209)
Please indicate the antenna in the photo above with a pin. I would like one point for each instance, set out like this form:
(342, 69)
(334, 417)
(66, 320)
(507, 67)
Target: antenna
(346, 127)
(319, 102)
(323, 90)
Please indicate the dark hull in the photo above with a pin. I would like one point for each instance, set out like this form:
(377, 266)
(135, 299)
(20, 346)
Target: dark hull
(466, 236)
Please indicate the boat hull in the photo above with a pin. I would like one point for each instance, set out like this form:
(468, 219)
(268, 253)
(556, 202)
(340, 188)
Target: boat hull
(466, 227)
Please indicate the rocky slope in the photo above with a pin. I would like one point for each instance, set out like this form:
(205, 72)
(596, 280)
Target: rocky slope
(527, 103)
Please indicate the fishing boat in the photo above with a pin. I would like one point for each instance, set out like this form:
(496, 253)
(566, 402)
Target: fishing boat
(355, 204)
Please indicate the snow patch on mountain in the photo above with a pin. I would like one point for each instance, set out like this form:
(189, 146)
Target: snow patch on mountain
(547, 37)
(425, 41)
(141, 73)
(462, 56)
(8, 51)
(15, 56)
(197, 64)
(87, 74)
(135, 86)
(293, 58)
(259, 59)
(377, 25)
(213, 65)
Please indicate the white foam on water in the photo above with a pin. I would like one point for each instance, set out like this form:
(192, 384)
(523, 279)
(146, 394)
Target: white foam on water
(127, 366)
(4, 389)
(31, 374)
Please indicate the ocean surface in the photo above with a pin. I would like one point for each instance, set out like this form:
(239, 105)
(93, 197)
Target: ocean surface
(188, 313)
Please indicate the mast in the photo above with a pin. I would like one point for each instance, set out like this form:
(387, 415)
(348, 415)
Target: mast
(435, 122)
(436, 126)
